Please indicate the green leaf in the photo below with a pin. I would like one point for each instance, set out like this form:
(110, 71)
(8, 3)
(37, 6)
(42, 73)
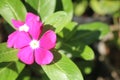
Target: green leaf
(34, 4)
(46, 8)
(90, 32)
(10, 70)
(7, 54)
(87, 53)
(105, 7)
(58, 20)
(40, 74)
(85, 36)
(43, 7)
(77, 49)
(25, 74)
(80, 7)
(12, 9)
(96, 26)
(68, 31)
(68, 8)
(62, 68)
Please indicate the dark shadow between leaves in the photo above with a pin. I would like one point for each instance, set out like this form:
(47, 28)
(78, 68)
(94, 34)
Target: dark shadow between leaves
(59, 6)
(46, 28)
(30, 8)
(86, 36)
(26, 72)
(57, 56)
(68, 34)
(74, 48)
(9, 65)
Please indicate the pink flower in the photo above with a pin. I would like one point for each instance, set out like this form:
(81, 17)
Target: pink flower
(38, 50)
(31, 46)
(32, 25)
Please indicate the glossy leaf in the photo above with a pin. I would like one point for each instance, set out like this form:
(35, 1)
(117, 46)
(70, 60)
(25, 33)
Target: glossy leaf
(58, 20)
(68, 8)
(7, 54)
(10, 70)
(12, 9)
(62, 68)
(43, 7)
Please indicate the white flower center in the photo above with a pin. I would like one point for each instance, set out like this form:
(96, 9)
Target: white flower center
(34, 44)
(24, 28)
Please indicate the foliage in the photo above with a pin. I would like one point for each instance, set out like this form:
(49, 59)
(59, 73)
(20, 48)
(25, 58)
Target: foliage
(100, 7)
(105, 7)
(80, 7)
(73, 41)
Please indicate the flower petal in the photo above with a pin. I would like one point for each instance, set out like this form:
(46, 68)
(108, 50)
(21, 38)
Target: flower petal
(26, 55)
(18, 39)
(12, 39)
(17, 23)
(22, 40)
(43, 56)
(35, 25)
(48, 40)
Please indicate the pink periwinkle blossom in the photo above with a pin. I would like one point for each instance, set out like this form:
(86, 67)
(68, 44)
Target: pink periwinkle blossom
(32, 25)
(27, 40)
(37, 49)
